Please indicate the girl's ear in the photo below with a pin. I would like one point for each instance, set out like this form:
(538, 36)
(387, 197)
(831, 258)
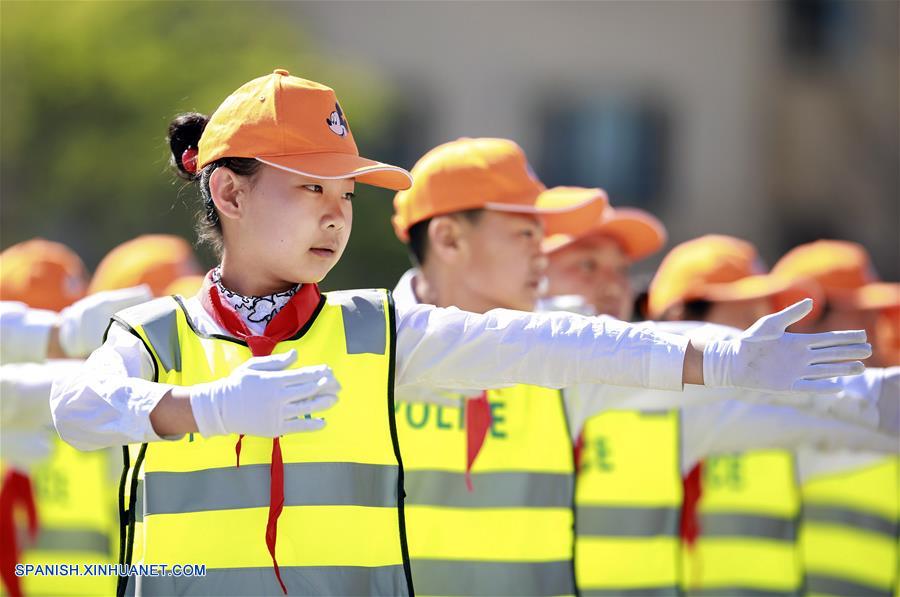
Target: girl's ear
(227, 191)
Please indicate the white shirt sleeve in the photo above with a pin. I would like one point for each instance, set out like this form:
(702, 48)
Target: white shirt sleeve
(452, 349)
(108, 401)
(24, 332)
(25, 431)
(736, 426)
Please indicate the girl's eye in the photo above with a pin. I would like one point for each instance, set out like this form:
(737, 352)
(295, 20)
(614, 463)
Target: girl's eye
(527, 233)
(315, 188)
(349, 196)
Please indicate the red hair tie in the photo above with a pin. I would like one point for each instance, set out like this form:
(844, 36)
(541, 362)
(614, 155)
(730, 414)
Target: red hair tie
(189, 159)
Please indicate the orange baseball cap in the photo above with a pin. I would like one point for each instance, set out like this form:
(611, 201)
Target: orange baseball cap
(153, 259)
(639, 233)
(720, 268)
(42, 274)
(185, 285)
(292, 124)
(844, 271)
(482, 173)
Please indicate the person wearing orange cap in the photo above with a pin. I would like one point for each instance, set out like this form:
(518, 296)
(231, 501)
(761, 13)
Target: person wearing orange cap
(851, 513)
(152, 259)
(72, 503)
(629, 488)
(488, 479)
(223, 378)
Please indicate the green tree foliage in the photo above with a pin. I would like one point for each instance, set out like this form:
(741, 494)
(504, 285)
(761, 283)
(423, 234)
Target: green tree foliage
(87, 90)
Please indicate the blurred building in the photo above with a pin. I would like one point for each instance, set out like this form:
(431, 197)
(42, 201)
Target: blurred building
(773, 121)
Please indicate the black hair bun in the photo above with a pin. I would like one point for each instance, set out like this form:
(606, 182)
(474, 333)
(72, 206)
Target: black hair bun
(184, 132)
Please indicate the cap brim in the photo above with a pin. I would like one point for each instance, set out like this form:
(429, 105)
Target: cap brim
(783, 293)
(337, 166)
(639, 233)
(877, 296)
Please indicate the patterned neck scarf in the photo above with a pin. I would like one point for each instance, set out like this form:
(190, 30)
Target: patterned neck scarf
(255, 311)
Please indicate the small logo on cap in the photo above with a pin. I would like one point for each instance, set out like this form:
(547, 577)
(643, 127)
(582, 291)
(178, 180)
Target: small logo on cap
(336, 121)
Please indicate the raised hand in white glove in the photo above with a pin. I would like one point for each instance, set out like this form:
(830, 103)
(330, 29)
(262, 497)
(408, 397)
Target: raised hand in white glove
(766, 357)
(262, 398)
(82, 324)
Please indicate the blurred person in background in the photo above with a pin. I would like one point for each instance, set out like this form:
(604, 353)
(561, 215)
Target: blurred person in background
(629, 482)
(488, 472)
(851, 501)
(71, 509)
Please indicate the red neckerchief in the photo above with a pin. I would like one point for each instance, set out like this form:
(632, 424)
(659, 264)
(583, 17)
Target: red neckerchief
(578, 450)
(286, 323)
(690, 522)
(478, 421)
(15, 491)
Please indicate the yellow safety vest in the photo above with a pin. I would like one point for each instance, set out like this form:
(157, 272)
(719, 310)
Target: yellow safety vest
(850, 531)
(341, 531)
(628, 505)
(749, 516)
(513, 534)
(76, 508)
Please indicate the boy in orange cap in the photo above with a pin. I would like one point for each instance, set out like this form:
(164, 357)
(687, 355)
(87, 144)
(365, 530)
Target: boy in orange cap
(488, 479)
(259, 347)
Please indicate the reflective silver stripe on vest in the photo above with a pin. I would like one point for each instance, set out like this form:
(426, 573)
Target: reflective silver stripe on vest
(740, 592)
(299, 580)
(609, 521)
(73, 540)
(830, 585)
(852, 518)
(139, 502)
(305, 484)
(364, 320)
(463, 578)
(160, 322)
(729, 524)
(491, 490)
(635, 592)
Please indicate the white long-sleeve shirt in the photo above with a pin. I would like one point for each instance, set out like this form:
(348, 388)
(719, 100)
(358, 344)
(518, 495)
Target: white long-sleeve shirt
(108, 402)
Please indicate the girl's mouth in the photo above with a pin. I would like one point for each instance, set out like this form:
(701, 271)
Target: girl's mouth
(322, 252)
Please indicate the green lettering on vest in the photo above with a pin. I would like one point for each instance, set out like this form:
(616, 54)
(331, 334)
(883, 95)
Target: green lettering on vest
(441, 423)
(496, 419)
(724, 472)
(426, 410)
(603, 454)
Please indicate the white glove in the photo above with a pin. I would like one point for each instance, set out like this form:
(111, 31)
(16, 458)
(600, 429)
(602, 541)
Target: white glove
(261, 398)
(765, 357)
(83, 323)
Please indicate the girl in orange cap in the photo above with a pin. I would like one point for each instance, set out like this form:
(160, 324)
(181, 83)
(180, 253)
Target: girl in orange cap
(235, 374)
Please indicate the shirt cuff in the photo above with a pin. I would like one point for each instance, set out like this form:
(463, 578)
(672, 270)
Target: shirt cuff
(37, 324)
(143, 402)
(666, 363)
